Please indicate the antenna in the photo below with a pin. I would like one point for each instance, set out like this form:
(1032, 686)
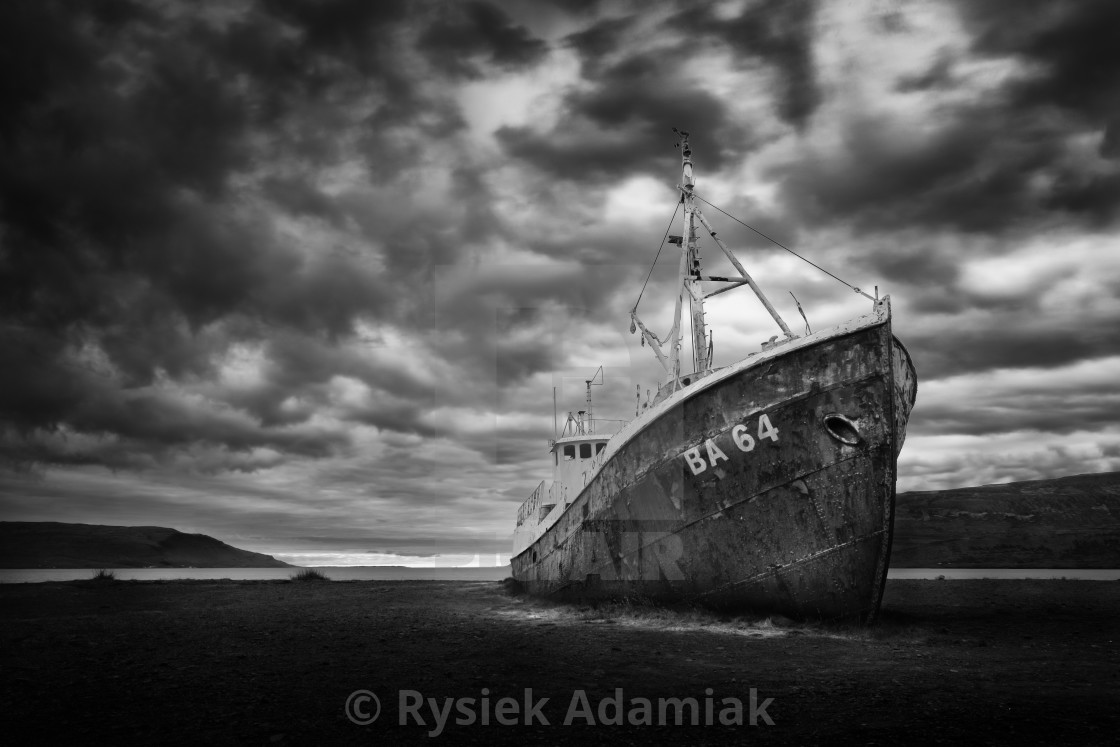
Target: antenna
(598, 375)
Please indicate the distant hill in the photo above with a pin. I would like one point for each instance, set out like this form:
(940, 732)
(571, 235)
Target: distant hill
(1066, 522)
(49, 544)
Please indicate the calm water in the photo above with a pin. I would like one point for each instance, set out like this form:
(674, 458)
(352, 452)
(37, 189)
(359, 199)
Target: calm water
(339, 573)
(397, 573)
(1081, 574)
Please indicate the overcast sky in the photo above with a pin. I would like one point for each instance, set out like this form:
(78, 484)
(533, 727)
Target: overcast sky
(302, 275)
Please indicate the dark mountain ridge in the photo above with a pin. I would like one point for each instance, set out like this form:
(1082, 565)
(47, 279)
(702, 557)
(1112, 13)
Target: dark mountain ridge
(50, 544)
(1064, 522)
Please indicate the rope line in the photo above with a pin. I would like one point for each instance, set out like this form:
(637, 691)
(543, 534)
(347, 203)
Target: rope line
(779, 244)
(663, 238)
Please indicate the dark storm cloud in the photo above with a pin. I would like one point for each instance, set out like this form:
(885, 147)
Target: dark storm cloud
(296, 378)
(907, 261)
(62, 410)
(37, 387)
(90, 173)
(1072, 46)
(938, 76)
(353, 31)
(112, 176)
(153, 417)
(297, 197)
(621, 124)
(521, 349)
(576, 6)
(400, 417)
(1049, 412)
(596, 42)
(508, 335)
(142, 430)
(972, 175)
(972, 348)
(419, 239)
(132, 222)
(1006, 160)
(476, 29)
(1073, 53)
(780, 33)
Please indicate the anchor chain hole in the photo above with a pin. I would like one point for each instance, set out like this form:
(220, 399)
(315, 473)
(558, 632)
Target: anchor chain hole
(842, 429)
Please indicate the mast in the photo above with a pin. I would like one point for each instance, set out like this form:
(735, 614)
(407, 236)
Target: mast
(689, 281)
(690, 268)
(592, 381)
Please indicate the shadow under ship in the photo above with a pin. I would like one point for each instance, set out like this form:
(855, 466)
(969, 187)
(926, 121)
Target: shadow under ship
(767, 485)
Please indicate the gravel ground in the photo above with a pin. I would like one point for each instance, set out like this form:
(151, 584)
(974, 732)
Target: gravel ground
(227, 662)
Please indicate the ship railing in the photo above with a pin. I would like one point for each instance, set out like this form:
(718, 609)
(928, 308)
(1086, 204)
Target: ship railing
(531, 506)
(556, 497)
(606, 427)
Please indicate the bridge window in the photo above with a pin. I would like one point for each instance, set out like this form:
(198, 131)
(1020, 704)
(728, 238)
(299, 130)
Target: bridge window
(585, 451)
(599, 447)
(569, 452)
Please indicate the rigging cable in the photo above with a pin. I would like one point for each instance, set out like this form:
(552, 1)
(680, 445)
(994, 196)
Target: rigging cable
(663, 239)
(808, 330)
(776, 243)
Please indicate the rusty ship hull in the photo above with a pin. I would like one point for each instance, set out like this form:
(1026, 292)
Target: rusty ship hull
(768, 486)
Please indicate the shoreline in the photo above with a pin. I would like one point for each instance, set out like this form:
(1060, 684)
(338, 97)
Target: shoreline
(273, 662)
(394, 573)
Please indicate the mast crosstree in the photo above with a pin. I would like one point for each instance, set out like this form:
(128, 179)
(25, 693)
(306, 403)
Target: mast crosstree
(690, 280)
